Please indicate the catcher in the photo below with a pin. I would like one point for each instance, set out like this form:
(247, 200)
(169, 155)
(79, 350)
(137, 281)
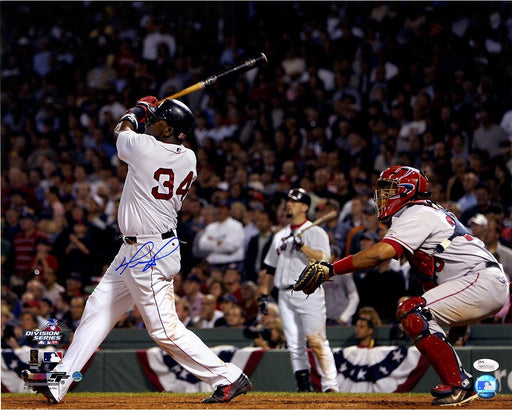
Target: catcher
(462, 280)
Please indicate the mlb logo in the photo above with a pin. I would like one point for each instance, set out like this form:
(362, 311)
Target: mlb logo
(52, 357)
(486, 385)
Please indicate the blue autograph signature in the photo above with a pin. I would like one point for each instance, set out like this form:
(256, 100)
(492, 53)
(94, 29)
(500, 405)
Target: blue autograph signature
(143, 251)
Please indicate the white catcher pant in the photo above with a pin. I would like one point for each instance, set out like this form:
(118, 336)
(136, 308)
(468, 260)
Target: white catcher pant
(152, 291)
(304, 318)
(468, 299)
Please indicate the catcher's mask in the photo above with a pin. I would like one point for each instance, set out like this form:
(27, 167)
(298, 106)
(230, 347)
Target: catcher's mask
(176, 114)
(398, 185)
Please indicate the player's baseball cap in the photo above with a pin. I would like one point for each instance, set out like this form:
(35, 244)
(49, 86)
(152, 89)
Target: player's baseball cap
(479, 219)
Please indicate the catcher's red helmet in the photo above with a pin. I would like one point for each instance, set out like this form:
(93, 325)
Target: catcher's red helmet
(398, 185)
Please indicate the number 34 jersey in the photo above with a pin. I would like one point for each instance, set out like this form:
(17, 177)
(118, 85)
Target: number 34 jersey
(158, 179)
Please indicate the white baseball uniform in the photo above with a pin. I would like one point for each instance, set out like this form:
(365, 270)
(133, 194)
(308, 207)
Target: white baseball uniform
(303, 318)
(159, 176)
(467, 284)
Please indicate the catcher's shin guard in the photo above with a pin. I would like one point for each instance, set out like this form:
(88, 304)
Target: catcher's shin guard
(414, 316)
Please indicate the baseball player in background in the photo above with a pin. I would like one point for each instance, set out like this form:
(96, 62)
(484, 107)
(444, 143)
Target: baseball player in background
(303, 319)
(160, 173)
(462, 280)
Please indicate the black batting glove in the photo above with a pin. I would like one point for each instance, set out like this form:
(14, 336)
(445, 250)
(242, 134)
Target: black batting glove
(297, 240)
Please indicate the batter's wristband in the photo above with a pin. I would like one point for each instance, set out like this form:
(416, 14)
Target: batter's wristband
(132, 118)
(345, 265)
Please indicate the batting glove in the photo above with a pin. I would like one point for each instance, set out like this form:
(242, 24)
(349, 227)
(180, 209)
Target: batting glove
(263, 304)
(297, 239)
(137, 115)
(149, 104)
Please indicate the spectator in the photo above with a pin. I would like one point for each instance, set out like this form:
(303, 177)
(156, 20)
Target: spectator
(250, 301)
(11, 331)
(62, 309)
(341, 297)
(455, 188)
(232, 282)
(488, 136)
(28, 321)
(503, 186)
(369, 226)
(483, 204)
(364, 333)
(136, 319)
(183, 312)
(227, 301)
(193, 296)
(79, 251)
(209, 314)
(369, 312)
(44, 262)
(478, 226)
(223, 240)
(45, 312)
(76, 309)
(258, 244)
(269, 337)
(341, 300)
(25, 248)
(235, 317)
(216, 289)
(493, 244)
(74, 285)
(469, 182)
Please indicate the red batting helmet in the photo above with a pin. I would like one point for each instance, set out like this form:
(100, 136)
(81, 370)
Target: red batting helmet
(398, 185)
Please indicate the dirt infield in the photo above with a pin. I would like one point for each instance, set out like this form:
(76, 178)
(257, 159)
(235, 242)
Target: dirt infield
(250, 401)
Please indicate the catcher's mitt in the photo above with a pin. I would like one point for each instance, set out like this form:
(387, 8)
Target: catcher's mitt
(313, 275)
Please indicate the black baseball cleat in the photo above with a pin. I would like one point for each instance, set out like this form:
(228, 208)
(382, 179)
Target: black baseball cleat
(457, 397)
(223, 394)
(44, 390)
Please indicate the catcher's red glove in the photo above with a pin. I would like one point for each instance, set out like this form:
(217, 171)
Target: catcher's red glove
(313, 275)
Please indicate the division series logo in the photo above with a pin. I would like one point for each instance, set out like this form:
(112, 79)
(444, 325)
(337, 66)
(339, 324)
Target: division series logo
(51, 334)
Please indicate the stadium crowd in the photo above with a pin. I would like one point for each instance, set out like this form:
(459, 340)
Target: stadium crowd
(350, 89)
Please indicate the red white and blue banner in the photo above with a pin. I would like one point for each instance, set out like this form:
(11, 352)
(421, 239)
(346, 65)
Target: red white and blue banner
(384, 369)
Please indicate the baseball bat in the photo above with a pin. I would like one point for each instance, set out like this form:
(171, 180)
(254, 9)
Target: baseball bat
(319, 221)
(241, 68)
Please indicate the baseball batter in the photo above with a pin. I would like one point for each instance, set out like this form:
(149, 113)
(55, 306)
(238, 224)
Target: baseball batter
(160, 173)
(303, 318)
(462, 280)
